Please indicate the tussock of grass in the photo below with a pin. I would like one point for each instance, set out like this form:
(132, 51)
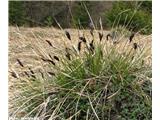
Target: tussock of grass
(102, 83)
(103, 80)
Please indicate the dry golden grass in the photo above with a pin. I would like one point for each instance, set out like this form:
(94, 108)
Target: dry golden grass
(22, 40)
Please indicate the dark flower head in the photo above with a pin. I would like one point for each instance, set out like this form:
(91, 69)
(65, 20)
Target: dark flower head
(83, 39)
(68, 35)
(100, 36)
(50, 44)
(135, 46)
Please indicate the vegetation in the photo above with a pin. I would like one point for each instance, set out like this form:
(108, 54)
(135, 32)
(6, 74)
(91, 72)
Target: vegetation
(49, 21)
(80, 17)
(16, 13)
(105, 80)
(97, 79)
(139, 12)
(129, 11)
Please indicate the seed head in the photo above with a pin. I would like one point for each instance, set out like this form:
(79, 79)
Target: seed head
(131, 37)
(31, 71)
(51, 61)
(142, 62)
(68, 35)
(50, 44)
(108, 35)
(55, 57)
(45, 60)
(79, 46)
(20, 63)
(41, 72)
(83, 39)
(14, 74)
(135, 46)
(91, 32)
(100, 36)
(91, 46)
(68, 56)
(51, 73)
(48, 60)
(50, 56)
(26, 73)
(33, 76)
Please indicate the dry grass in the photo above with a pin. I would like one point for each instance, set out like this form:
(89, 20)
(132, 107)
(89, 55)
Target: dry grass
(22, 40)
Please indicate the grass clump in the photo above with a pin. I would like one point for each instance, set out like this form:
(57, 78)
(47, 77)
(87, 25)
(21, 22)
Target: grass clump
(103, 80)
(100, 83)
